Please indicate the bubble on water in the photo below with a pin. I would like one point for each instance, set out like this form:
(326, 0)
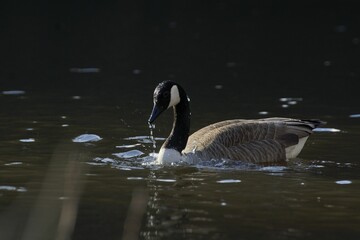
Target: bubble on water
(76, 97)
(218, 87)
(263, 113)
(284, 106)
(84, 138)
(65, 125)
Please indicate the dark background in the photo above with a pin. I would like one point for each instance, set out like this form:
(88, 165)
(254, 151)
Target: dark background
(254, 46)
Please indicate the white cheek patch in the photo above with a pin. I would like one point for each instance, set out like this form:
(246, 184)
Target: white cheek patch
(174, 96)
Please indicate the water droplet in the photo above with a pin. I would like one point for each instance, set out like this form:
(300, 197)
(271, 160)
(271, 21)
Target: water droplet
(152, 127)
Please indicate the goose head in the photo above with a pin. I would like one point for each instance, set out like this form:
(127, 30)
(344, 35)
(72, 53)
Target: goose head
(166, 95)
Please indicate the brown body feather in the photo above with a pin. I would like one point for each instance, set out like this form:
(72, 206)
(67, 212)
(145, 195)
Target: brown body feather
(256, 141)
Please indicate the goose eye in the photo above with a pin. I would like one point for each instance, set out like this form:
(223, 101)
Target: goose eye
(166, 94)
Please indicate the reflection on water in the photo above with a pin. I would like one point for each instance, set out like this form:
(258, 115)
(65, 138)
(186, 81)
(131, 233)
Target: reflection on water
(94, 177)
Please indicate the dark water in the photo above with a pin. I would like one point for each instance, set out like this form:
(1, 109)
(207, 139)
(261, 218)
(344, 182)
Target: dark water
(90, 67)
(52, 187)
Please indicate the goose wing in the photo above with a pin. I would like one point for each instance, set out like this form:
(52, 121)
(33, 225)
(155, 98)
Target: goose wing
(262, 140)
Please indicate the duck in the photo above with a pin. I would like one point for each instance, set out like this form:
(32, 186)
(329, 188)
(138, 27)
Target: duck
(258, 141)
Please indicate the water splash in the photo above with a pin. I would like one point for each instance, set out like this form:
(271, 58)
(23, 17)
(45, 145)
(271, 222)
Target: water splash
(152, 127)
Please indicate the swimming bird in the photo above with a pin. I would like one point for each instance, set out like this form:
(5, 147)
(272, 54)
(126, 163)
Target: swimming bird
(267, 140)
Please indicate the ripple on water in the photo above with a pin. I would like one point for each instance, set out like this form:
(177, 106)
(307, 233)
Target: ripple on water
(332, 130)
(229, 181)
(144, 139)
(354, 115)
(13, 163)
(27, 140)
(343, 182)
(13, 92)
(128, 145)
(12, 188)
(129, 154)
(165, 180)
(85, 138)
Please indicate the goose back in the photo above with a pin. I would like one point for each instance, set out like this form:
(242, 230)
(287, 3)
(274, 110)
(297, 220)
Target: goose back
(258, 141)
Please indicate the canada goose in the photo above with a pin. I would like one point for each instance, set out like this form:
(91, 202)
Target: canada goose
(265, 140)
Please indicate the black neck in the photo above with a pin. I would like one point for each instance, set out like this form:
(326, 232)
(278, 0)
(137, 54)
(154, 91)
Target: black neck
(181, 126)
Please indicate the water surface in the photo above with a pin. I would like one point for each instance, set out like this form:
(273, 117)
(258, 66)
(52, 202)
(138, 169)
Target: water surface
(52, 186)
